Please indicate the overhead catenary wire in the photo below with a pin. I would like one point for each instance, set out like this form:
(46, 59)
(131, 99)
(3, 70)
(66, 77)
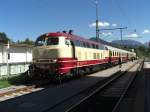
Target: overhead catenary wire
(124, 14)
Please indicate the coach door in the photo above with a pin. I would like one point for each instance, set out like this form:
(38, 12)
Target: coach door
(110, 56)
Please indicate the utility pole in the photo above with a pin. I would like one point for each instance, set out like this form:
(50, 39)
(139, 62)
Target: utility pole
(97, 28)
(8, 55)
(121, 30)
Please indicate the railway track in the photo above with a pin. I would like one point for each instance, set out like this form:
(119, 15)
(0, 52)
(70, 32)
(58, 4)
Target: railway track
(67, 105)
(15, 92)
(107, 97)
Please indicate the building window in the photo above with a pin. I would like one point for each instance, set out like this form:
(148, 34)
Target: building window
(8, 55)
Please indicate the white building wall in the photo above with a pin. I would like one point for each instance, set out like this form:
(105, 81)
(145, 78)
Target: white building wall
(1, 49)
(4, 56)
(29, 55)
(17, 54)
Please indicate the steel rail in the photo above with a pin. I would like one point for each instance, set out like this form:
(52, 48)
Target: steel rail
(127, 87)
(101, 88)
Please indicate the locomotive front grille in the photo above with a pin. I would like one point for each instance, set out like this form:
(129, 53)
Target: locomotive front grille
(45, 61)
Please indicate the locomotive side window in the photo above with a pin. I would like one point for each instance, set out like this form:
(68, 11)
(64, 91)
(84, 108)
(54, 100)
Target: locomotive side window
(93, 46)
(84, 44)
(77, 43)
(96, 46)
(67, 42)
(88, 45)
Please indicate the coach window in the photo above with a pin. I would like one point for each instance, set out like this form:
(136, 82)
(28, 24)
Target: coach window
(101, 56)
(94, 56)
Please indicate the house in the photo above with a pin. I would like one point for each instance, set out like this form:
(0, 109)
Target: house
(14, 59)
(16, 53)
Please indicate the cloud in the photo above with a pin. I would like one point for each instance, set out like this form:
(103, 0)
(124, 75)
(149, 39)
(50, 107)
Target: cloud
(100, 24)
(146, 31)
(133, 35)
(114, 25)
(107, 34)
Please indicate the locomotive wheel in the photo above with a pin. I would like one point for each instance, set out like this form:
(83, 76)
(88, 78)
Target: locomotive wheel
(87, 70)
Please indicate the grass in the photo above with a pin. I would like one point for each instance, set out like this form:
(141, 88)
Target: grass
(16, 80)
(4, 83)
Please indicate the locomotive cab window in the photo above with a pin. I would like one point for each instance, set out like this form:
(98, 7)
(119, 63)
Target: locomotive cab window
(53, 41)
(47, 41)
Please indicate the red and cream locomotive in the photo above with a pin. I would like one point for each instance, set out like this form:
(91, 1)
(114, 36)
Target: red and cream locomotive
(66, 54)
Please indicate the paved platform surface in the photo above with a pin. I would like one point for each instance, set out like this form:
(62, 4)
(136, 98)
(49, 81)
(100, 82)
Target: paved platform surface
(41, 100)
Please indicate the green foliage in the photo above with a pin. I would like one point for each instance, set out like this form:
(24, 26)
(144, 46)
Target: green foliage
(4, 83)
(4, 38)
(143, 51)
(15, 80)
(26, 41)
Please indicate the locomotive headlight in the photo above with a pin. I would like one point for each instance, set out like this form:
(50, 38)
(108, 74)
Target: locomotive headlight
(54, 60)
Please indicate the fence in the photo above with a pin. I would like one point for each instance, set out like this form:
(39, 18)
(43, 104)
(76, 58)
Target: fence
(12, 69)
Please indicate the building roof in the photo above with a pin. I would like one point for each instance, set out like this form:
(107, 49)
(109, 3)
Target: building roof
(18, 45)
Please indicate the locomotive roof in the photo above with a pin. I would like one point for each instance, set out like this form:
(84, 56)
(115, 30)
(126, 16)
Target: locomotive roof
(70, 36)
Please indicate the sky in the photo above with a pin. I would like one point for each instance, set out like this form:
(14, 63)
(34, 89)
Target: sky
(20, 19)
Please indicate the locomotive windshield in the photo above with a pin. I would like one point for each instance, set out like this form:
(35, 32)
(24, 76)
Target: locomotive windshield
(47, 41)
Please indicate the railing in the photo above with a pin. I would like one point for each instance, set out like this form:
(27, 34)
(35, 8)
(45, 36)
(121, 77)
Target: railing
(12, 69)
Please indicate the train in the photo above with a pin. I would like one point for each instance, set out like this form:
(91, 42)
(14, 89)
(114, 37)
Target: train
(64, 54)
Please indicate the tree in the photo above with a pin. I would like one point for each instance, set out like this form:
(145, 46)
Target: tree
(26, 41)
(4, 38)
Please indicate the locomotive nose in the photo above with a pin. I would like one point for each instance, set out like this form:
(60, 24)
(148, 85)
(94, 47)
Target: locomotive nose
(45, 53)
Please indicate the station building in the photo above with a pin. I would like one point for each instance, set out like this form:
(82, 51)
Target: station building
(16, 53)
(14, 59)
